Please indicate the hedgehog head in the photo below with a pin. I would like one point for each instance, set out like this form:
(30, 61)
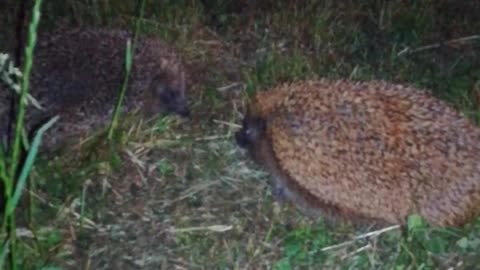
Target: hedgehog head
(167, 96)
(252, 132)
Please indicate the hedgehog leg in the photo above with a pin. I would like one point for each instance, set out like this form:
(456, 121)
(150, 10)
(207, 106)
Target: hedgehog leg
(278, 192)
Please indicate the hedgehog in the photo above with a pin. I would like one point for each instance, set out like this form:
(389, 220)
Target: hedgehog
(365, 152)
(78, 73)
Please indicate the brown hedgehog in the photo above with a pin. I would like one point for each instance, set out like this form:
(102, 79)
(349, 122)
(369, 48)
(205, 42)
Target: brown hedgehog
(368, 151)
(77, 74)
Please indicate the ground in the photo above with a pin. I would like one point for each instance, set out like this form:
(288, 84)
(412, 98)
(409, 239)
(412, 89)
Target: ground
(179, 194)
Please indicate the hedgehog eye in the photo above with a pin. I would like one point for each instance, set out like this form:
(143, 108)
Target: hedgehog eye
(168, 95)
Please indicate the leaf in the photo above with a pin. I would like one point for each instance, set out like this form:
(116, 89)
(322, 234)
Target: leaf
(32, 153)
(415, 222)
(3, 254)
(463, 243)
(283, 264)
(436, 245)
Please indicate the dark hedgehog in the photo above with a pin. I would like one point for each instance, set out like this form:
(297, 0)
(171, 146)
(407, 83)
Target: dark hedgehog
(77, 74)
(368, 151)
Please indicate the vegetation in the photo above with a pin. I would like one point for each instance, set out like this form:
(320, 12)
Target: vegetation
(181, 194)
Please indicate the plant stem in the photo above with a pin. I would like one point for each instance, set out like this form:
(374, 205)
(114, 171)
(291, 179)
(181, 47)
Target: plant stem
(9, 217)
(130, 54)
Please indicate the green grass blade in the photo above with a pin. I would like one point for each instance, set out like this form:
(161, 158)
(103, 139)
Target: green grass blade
(3, 165)
(137, 24)
(3, 254)
(128, 66)
(32, 38)
(28, 165)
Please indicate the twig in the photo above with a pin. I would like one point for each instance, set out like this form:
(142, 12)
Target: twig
(362, 236)
(135, 160)
(189, 193)
(211, 138)
(409, 50)
(367, 246)
(27, 233)
(68, 210)
(230, 86)
(213, 228)
(230, 124)
(378, 232)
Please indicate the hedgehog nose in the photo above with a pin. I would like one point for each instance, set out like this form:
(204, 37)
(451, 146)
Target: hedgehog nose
(240, 138)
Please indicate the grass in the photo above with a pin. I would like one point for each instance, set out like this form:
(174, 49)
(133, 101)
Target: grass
(13, 183)
(181, 194)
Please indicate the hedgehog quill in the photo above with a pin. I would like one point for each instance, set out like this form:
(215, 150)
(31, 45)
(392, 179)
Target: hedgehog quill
(368, 151)
(77, 74)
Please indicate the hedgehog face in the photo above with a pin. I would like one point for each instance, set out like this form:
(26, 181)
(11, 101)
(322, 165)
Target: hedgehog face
(172, 100)
(166, 98)
(251, 133)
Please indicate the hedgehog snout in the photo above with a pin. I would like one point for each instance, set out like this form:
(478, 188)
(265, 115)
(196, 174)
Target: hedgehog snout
(251, 132)
(241, 138)
(172, 101)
